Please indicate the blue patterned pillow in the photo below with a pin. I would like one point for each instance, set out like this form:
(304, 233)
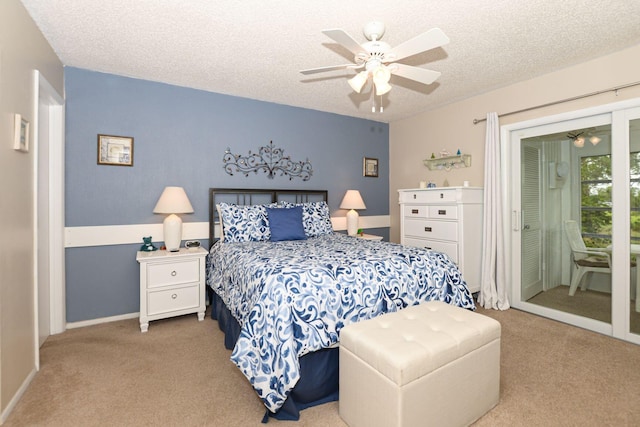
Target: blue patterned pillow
(316, 218)
(244, 223)
(286, 224)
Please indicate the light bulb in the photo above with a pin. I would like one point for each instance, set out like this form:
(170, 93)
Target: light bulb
(381, 74)
(594, 139)
(579, 142)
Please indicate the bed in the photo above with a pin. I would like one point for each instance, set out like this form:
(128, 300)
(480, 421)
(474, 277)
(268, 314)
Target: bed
(282, 284)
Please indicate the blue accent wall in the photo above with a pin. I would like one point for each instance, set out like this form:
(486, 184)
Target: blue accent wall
(180, 136)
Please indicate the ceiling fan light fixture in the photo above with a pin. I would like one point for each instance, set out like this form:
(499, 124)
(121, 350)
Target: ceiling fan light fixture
(579, 142)
(381, 74)
(376, 56)
(594, 140)
(381, 77)
(382, 88)
(357, 81)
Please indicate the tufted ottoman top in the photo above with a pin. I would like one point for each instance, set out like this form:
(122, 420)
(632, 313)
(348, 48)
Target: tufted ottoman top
(410, 343)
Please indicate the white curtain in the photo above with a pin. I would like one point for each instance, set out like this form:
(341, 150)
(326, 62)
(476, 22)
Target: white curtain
(493, 282)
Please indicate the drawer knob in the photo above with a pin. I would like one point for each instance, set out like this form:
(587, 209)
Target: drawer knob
(174, 273)
(414, 196)
(441, 196)
(174, 296)
(427, 229)
(442, 211)
(414, 211)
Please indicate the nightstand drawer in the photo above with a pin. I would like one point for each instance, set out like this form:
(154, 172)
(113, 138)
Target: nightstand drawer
(172, 300)
(441, 230)
(451, 249)
(173, 273)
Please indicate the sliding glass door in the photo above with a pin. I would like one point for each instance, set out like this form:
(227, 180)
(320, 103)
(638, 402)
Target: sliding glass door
(574, 219)
(633, 129)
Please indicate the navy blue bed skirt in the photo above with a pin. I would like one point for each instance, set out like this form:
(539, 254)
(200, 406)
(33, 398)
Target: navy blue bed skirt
(318, 370)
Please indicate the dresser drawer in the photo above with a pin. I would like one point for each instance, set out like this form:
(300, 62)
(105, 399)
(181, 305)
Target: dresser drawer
(173, 273)
(172, 300)
(443, 211)
(431, 211)
(449, 248)
(416, 211)
(441, 230)
(428, 196)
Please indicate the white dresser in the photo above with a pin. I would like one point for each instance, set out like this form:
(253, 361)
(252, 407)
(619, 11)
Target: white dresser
(448, 220)
(171, 284)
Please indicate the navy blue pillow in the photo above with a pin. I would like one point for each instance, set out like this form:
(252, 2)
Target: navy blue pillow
(286, 224)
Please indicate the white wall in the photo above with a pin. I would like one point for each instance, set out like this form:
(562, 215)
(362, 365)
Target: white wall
(451, 127)
(22, 50)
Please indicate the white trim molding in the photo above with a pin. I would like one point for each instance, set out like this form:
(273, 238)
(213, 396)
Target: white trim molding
(106, 235)
(91, 322)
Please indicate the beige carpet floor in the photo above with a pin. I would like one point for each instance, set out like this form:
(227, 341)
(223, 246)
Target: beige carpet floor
(179, 374)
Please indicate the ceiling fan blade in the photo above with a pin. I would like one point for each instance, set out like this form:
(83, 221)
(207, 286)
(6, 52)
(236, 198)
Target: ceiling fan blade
(345, 40)
(421, 75)
(331, 68)
(423, 42)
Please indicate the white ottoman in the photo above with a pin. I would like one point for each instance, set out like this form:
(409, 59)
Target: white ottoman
(427, 365)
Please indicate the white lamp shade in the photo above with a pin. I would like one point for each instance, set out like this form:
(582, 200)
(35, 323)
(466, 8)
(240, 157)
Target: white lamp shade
(173, 200)
(358, 81)
(352, 200)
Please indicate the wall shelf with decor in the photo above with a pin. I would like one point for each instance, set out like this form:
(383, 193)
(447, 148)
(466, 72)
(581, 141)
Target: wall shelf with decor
(449, 162)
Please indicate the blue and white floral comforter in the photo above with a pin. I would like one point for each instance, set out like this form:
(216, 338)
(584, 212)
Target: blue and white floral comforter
(293, 297)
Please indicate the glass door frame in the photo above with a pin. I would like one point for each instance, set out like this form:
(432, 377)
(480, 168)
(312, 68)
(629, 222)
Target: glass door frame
(618, 115)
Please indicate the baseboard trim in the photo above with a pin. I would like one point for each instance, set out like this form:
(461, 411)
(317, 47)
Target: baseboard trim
(91, 322)
(16, 397)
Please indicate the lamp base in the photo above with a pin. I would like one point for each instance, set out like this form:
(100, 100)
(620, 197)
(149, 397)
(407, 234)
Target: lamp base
(352, 222)
(172, 232)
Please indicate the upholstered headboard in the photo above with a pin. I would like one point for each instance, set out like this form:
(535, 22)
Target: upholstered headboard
(241, 196)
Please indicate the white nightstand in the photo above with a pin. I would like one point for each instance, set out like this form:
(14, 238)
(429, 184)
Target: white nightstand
(171, 284)
(369, 237)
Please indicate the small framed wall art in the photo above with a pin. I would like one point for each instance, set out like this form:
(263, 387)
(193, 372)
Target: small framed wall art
(21, 134)
(370, 167)
(115, 150)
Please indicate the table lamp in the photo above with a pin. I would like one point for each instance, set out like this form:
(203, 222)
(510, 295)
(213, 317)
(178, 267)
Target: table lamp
(173, 201)
(352, 200)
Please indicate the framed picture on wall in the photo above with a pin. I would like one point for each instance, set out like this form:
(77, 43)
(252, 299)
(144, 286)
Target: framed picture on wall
(115, 150)
(21, 134)
(370, 167)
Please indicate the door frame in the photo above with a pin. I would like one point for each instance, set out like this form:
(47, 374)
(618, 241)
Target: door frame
(44, 92)
(510, 137)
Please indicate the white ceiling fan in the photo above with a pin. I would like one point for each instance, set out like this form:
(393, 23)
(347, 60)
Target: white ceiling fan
(378, 60)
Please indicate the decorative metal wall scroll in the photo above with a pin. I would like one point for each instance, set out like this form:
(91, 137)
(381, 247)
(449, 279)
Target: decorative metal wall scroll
(268, 159)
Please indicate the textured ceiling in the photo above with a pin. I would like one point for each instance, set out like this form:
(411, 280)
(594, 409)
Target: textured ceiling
(255, 48)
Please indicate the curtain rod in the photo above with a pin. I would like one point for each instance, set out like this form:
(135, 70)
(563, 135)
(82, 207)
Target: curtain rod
(613, 89)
